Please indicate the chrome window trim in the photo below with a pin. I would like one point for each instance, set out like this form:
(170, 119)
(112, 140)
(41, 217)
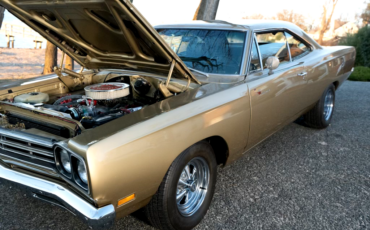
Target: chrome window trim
(244, 61)
(289, 31)
(199, 28)
(287, 45)
(259, 52)
(308, 45)
(254, 40)
(249, 56)
(291, 63)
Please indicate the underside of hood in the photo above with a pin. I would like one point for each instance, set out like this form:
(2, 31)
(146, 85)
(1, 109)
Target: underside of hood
(100, 34)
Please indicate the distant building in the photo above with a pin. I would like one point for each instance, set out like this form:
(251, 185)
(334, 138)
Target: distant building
(339, 32)
(348, 28)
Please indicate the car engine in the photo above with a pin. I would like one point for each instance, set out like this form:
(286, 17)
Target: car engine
(67, 115)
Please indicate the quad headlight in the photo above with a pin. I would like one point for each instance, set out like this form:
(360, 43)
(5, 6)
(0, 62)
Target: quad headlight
(72, 167)
(81, 169)
(65, 160)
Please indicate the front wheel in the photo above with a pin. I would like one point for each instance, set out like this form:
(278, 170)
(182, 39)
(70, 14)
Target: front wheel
(320, 116)
(186, 191)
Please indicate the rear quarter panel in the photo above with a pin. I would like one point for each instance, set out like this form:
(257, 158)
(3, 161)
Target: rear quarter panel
(327, 66)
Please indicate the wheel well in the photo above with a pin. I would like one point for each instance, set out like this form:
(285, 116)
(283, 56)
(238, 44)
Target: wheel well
(336, 84)
(220, 149)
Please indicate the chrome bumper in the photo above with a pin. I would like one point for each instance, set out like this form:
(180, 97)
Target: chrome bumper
(96, 218)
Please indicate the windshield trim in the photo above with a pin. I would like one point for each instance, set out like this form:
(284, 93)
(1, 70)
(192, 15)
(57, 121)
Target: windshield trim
(243, 62)
(198, 71)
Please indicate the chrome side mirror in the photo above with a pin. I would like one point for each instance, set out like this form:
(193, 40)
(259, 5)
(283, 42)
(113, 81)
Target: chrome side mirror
(272, 63)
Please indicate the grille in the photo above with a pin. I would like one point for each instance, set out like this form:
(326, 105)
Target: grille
(27, 147)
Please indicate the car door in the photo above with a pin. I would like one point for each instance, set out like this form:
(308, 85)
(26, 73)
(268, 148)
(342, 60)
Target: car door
(276, 98)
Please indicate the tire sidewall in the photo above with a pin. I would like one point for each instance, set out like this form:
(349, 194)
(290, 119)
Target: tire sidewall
(177, 220)
(322, 106)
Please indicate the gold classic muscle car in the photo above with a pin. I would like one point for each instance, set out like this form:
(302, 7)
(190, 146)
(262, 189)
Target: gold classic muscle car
(154, 111)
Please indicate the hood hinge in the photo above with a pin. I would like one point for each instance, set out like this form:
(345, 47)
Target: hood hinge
(59, 70)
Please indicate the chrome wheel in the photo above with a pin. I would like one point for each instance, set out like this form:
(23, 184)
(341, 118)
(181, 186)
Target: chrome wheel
(328, 104)
(192, 186)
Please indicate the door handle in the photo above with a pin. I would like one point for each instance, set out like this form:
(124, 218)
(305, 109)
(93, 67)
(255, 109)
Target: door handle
(303, 75)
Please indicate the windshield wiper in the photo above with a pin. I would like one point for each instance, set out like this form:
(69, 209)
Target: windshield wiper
(198, 71)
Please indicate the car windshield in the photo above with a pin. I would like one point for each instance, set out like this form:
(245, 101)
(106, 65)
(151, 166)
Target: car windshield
(209, 51)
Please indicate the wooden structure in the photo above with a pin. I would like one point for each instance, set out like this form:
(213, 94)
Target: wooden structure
(37, 42)
(12, 30)
(10, 40)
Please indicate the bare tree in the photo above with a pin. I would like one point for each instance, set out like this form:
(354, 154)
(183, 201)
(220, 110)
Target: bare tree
(365, 16)
(255, 16)
(290, 16)
(326, 18)
(50, 58)
(69, 63)
(207, 10)
(339, 22)
(2, 10)
(197, 11)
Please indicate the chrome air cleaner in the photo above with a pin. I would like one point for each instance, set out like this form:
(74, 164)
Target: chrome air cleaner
(107, 91)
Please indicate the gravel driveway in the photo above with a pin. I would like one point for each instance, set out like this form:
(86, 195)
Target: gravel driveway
(300, 178)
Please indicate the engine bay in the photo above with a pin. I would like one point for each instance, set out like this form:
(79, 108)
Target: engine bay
(68, 114)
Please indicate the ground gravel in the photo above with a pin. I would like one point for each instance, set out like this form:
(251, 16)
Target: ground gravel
(300, 178)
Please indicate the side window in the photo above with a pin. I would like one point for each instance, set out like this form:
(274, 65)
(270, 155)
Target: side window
(255, 58)
(273, 44)
(297, 48)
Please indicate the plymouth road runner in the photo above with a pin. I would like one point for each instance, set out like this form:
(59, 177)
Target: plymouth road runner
(154, 111)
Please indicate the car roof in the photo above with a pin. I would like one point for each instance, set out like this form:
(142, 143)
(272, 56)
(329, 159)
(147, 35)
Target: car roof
(244, 25)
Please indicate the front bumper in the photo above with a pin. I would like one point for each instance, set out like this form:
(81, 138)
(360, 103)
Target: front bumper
(96, 218)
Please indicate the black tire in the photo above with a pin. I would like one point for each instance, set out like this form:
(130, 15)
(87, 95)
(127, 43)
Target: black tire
(316, 117)
(162, 211)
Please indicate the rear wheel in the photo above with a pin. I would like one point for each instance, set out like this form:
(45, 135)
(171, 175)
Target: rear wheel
(186, 191)
(320, 116)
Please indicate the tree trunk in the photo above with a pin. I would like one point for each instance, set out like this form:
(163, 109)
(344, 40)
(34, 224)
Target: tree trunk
(322, 27)
(69, 63)
(207, 10)
(2, 10)
(51, 58)
(196, 12)
(325, 22)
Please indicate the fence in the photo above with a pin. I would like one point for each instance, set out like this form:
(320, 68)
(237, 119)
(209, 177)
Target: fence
(13, 31)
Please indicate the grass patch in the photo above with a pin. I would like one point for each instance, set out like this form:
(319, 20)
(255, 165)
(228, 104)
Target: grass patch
(360, 73)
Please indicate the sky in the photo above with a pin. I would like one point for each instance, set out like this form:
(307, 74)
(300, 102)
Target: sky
(176, 11)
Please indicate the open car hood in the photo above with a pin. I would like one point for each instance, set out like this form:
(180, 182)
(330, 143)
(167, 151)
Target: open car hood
(100, 34)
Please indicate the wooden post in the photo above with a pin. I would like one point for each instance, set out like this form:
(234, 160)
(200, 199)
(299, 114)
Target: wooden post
(40, 43)
(69, 63)
(50, 58)
(12, 42)
(7, 41)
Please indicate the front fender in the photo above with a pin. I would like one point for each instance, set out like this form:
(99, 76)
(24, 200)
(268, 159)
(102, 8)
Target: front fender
(136, 159)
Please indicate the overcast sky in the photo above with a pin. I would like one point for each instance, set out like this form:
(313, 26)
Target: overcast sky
(175, 11)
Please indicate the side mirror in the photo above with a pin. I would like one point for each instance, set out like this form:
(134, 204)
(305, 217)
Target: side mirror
(272, 63)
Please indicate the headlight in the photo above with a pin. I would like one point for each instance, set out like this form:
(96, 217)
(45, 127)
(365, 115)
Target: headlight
(81, 169)
(65, 160)
(72, 167)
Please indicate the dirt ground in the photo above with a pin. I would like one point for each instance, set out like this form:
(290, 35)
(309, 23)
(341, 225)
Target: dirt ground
(22, 63)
